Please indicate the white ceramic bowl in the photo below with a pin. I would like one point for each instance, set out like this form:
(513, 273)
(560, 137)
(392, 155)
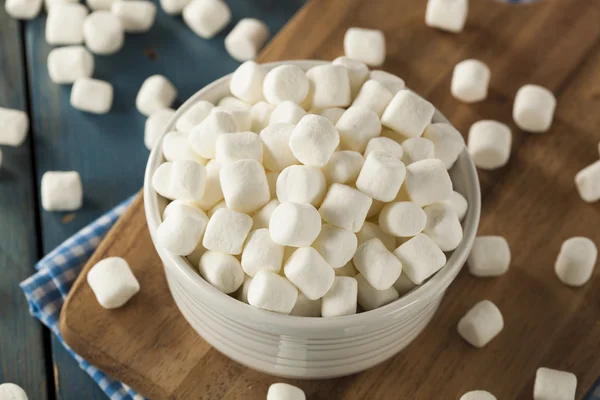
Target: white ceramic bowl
(299, 347)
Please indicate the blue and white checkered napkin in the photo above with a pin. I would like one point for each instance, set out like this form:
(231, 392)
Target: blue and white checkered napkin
(47, 290)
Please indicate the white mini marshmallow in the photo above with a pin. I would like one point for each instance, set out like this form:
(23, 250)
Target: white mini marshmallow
(403, 285)
(366, 45)
(576, 260)
(223, 271)
(345, 207)
(155, 126)
(390, 81)
(64, 24)
(112, 282)
(420, 257)
(246, 39)
(188, 180)
(358, 73)
(381, 176)
(216, 208)
(481, 323)
(176, 146)
(230, 103)
(261, 252)
(206, 18)
(15, 125)
(447, 15)
(374, 96)
(377, 264)
(489, 144)
(247, 82)
(11, 391)
(96, 5)
(387, 145)
(403, 219)
(346, 270)
(193, 116)
(161, 180)
(408, 114)
(92, 95)
(490, 256)
(285, 83)
(313, 140)
(203, 137)
(263, 216)
(283, 391)
(459, 203)
(587, 182)
(309, 272)
(478, 395)
(173, 7)
(306, 307)
(272, 182)
(447, 141)
(136, 16)
(533, 109)
(330, 86)
(417, 149)
(427, 182)
(356, 127)
(242, 292)
(103, 33)
(23, 9)
(552, 384)
(341, 299)
(370, 298)
(244, 184)
(238, 146)
(260, 115)
(67, 64)
(272, 292)
(372, 231)
(156, 92)
(343, 167)
(470, 81)
(301, 184)
(61, 191)
(336, 245)
(212, 190)
(443, 226)
(182, 229)
(333, 114)
(288, 112)
(226, 231)
(295, 224)
(277, 153)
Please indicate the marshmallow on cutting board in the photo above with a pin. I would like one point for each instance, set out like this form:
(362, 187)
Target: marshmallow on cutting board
(478, 395)
(533, 109)
(447, 15)
(470, 81)
(61, 191)
(112, 282)
(552, 384)
(366, 45)
(587, 182)
(490, 256)
(489, 144)
(481, 323)
(283, 391)
(576, 260)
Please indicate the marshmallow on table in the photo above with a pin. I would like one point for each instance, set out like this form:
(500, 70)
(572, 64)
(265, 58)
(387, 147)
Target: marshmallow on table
(212, 190)
(161, 180)
(283, 391)
(387, 145)
(155, 126)
(136, 16)
(272, 292)
(336, 245)
(246, 39)
(366, 45)
(447, 15)
(203, 137)
(356, 127)
(587, 182)
(459, 203)
(223, 271)
(381, 176)
(309, 272)
(238, 146)
(552, 384)
(341, 299)
(263, 216)
(277, 153)
(330, 86)
(371, 231)
(403, 219)
(295, 224)
(156, 92)
(182, 229)
(374, 96)
(346, 270)
(193, 116)
(343, 167)
(358, 73)
(377, 264)
(288, 112)
(261, 252)
(490, 256)
(103, 33)
(408, 114)
(176, 146)
(448, 143)
(226, 231)
(443, 226)
(285, 83)
(15, 125)
(533, 109)
(10, 391)
(301, 184)
(188, 180)
(576, 261)
(390, 81)
(244, 185)
(306, 307)
(313, 140)
(370, 298)
(242, 292)
(64, 24)
(206, 18)
(247, 82)
(112, 282)
(427, 182)
(23, 9)
(481, 323)
(470, 81)
(420, 257)
(173, 7)
(92, 95)
(67, 64)
(403, 285)
(333, 114)
(260, 115)
(345, 207)
(417, 149)
(61, 191)
(489, 144)
(478, 395)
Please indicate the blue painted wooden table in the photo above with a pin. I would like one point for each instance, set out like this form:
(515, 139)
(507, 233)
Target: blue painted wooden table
(107, 150)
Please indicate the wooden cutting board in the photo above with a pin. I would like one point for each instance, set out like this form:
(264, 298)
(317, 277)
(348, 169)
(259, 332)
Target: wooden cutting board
(532, 201)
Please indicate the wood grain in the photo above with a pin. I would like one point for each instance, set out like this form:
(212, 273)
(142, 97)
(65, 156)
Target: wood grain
(532, 202)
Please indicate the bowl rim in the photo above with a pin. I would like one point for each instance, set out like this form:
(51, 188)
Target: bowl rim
(243, 312)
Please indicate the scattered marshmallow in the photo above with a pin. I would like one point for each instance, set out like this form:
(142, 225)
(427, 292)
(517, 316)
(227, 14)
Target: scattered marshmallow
(64, 24)
(212, 190)
(283, 391)
(403, 285)
(309, 272)
(92, 95)
(103, 33)
(244, 184)
(358, 73)
(67, 64)
(306, 307)
(173, 7)
(443, 226)
(552, 384)
(193, 116)
(15, 124)
(285, 83)
(381, 176)
(427, 182)
(390, 81)
(447, 15)
(370, 231)
(386, 145)
(260, 115)
(223, 271)
(112, 282)
(61, 191)
(156, 92)
(533, 109)
(295, 224)
(182, 229)
(155, 126)
(11, 391)
(336, 245)
(374, 96)
(345, 207)
(23, 9)
(343, 167)
(459, 203)
(238, 146)
(161, 180)
(420, 257)
(341, 299)
(263, 216)
(288, 112)
(206, 18)
(377, 264)
(356, 127)
(333, 114)
(176, 146)
(277, 153)
(272, 292)
(408, 114)
(370, 298)
(136, 16)
(403, 219)
(576, 261)
(346, 270)
(246, 39)
(188, 180)
(490, 256)
(478, 395)
(261, 252)
(301, 184)
(470, 81)
(226, 231)
(313, 140)
(481, 324)
(448, 143)
(330, 86)
(366, 45)
(489, 144)
(417, 149)
(247, 82)
(203, 137)
(587, 182)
